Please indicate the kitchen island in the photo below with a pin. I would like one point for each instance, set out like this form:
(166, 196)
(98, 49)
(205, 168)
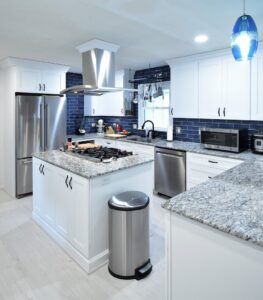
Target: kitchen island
(215, 237)
(70, 199)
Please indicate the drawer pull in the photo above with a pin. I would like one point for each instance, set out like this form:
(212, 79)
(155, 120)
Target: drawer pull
(210, 177)
(213, 162)
(66, 181)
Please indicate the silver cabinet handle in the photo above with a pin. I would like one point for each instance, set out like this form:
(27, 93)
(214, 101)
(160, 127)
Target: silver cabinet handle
(66, 181)
(70, 183)
(40, 168)
(44, 87)
(42, 171)
(224, 111)
(213, 162)
(172, 111)
(218, 111)
(122, 111)
(93, 111)
(210, 177)
(39, 87)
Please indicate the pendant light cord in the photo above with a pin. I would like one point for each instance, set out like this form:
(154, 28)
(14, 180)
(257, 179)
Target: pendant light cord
(244, 7)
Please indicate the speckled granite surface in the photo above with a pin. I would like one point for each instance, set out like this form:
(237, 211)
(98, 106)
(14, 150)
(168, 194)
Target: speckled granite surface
(231, 202)
(88, 169)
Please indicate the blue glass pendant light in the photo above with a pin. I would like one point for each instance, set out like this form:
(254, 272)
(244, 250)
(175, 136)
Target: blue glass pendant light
(244, 38)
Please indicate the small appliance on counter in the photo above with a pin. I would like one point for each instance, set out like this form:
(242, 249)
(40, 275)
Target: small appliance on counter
(81, 126)
(100, 127)
(232, 140)
(257, 142)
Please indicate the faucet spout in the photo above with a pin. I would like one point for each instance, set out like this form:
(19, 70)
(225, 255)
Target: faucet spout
(150, 132)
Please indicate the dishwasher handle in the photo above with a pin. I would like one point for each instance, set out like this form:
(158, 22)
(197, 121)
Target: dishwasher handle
(170, 151)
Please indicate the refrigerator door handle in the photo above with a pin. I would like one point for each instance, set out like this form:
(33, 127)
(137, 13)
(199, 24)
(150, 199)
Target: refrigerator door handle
(46, 126)
(41, 128)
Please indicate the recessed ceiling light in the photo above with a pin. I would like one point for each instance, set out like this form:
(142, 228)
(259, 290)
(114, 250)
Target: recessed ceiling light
(201, 38)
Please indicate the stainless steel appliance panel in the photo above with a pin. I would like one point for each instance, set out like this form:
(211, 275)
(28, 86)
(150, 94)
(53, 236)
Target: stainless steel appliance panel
(28, 125)
(170, 171)
(24, 184)
(55, 122)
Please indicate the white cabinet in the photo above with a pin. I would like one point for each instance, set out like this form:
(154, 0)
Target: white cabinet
(257, 87)
(210, 88)
(44, 178)
(112, 104)
(184, 90)
(61, 199)
(40, 81)
(214, 86)
(200, 167)
(136, 148)
(224, 89)
(236, 89)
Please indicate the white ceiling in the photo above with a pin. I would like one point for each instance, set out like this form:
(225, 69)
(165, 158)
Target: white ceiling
(148, 31)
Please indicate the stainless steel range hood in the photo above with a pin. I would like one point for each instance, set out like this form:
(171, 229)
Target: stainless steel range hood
(98, 70)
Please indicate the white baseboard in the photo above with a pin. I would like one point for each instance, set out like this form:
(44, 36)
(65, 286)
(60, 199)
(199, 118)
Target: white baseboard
(89, 265)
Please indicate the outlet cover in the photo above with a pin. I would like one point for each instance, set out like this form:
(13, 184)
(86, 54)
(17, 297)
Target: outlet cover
(134, 126)
(93, 125)
(178, 130)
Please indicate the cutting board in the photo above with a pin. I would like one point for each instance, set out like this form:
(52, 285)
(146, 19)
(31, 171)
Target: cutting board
(87, 146)
(115, 135)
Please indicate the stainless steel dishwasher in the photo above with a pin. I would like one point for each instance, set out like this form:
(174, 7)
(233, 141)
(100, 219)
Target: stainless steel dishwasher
(169, 171)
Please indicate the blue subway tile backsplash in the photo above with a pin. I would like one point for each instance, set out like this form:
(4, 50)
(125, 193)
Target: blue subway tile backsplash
(189, 127)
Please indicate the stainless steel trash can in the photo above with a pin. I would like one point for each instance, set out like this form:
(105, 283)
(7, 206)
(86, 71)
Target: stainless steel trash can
(129, 244)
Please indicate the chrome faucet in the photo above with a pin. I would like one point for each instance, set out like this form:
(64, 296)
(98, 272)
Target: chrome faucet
(151, 133)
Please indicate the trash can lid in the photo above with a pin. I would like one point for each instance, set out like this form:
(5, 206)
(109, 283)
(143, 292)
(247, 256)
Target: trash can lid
(131, 200)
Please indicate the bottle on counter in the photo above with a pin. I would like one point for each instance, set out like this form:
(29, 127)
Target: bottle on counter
(170, 133)
(69, 144)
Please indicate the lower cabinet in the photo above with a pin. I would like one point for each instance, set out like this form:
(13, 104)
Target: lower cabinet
(137, 148)
(200, 168)
(61, 199)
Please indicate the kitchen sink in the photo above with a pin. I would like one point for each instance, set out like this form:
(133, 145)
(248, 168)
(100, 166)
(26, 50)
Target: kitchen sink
(139, 139)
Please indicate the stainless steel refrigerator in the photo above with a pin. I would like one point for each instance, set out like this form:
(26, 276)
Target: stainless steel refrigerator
(40, 126)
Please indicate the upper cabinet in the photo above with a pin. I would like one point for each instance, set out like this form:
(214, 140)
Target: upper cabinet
(37, 77)
(213, 86)
(210, 88)
(184, 90)
(117, 104)
(224, 89)
(257, 87)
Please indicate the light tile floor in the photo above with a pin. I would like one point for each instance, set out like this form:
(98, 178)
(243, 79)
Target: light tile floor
(32, 266)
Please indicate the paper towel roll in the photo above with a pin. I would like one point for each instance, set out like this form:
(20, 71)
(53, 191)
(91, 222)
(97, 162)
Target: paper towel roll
(170, 133)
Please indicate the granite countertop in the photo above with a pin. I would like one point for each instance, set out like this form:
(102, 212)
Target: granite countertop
(89, 169)
(231, 202)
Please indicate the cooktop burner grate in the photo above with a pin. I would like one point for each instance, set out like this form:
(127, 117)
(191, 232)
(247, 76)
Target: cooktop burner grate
(102, 154)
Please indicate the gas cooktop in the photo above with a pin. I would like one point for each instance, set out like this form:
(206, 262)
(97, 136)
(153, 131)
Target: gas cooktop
(100, 154)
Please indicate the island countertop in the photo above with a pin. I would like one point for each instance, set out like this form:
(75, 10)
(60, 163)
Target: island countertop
(89, 169)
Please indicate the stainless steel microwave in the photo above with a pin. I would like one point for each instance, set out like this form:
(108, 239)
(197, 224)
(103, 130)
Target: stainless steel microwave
(233, 140)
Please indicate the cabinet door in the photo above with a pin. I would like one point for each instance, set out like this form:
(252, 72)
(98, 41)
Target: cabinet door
(236, 90)
(79, 214)
(210, 88)
(29, 80)
(63, 199)
(184, 90)
(44, 186)
(257, 87)
(51, 82)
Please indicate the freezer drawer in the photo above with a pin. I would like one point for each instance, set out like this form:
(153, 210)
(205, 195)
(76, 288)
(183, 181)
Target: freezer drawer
(170, 172)
(24, 182)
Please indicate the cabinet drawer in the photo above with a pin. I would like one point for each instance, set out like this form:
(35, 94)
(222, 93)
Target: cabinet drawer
(212, 161)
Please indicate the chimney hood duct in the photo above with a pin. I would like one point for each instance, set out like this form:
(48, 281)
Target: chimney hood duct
(98, 70)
